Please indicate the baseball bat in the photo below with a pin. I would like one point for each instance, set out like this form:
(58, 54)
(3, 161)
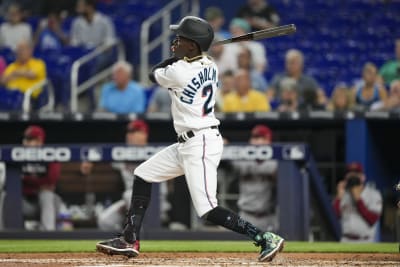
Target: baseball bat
(262, 34)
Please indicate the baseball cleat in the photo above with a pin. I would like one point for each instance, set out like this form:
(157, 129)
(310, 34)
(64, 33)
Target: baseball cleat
(270, 244)
(118, 246)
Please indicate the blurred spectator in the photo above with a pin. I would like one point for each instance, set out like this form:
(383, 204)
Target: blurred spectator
(257, 184)
(26, 71)
(258, 81)
(289, 101)
(112, 218)
(14, 31)
(160, 101)
(322, 99)
(358, 205)
(231, 51)
(215, 17)
(260, 14)
(39, 183)
(91, 28)
(217, 52)
(3, 65)
(368, 91)
(313, 100)
(86, 168)
(227, 85)
(244, 98)
(50, 34)
(294, 64)
(392, 103)
(341, 99)
(123, 95)
(391, 69)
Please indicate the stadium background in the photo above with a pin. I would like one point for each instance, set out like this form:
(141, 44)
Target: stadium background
(337, 38)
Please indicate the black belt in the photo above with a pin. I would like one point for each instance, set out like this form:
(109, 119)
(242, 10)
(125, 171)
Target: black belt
(183, 137)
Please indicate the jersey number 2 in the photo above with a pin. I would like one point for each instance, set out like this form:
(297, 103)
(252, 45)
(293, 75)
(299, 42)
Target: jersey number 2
(207, 91)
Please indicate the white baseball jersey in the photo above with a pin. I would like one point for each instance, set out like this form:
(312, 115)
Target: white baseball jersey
(352, 221)
(192, 86)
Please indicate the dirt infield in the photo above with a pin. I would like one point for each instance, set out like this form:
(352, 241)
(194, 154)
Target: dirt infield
(196, 259)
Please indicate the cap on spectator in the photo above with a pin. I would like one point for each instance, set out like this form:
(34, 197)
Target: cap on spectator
(241, 23)
(35, 132)
(354, 167)
(261, 131)
(212, 13)
(138, 125)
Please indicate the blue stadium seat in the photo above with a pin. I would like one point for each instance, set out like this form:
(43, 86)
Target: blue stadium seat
(7, 54)
(10, 100)
(329, 34)
(34, 22)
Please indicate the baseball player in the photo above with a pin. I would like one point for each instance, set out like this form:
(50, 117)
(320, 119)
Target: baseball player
(38, 183)
(191, 78)
(257, 184)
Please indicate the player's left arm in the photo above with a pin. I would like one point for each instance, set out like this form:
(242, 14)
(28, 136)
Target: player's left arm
(162, 64)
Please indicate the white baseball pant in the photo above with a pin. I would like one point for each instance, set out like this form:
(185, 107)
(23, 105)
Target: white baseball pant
(197, 159)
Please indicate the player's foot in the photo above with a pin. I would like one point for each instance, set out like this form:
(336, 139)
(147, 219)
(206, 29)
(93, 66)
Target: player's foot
(270, 244)
(118, 246)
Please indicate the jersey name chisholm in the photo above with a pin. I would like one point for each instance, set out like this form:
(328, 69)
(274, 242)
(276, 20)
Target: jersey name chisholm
(208, 74)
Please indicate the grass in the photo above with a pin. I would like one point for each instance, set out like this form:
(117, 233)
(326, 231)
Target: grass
(27, 246)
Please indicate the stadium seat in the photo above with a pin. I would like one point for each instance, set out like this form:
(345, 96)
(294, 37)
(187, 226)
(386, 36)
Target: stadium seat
(10, 100)
(7, 54)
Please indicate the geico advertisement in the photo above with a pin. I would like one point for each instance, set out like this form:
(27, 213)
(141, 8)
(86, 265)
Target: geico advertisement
(121, 153)
(247, 153)
(41, 154)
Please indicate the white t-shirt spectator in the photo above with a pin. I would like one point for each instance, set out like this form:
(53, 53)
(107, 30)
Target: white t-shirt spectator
(228, 60)
(92, 34)
(11, 35)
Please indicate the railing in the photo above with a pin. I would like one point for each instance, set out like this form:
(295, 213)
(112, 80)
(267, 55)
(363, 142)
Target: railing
(26, 104)
(164, 15)
(76, 88)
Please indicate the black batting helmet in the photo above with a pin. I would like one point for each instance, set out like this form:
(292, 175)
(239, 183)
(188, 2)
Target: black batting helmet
(195, 29)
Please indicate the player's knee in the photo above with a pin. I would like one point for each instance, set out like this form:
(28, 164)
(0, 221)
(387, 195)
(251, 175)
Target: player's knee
(139, 181)
(139, 170)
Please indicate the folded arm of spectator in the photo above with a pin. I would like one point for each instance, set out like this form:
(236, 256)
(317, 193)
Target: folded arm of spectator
(48, 181)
